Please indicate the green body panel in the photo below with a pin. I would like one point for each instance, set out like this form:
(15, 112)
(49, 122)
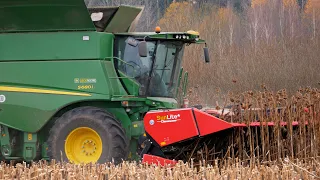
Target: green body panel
(149, 102)
(29, 151)
(39, 15)
(29, 112)
(36, 108)
(55, 46)
(6, 149)
(137, 128)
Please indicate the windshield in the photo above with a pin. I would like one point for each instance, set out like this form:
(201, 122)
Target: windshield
(157, 73)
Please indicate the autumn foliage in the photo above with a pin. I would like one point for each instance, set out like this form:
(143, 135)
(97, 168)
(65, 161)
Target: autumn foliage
(275, 43)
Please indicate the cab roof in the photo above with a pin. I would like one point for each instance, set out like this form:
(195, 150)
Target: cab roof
(191, 36)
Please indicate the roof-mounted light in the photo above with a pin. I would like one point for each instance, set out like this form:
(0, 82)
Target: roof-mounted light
(158, 29)
(193, 32)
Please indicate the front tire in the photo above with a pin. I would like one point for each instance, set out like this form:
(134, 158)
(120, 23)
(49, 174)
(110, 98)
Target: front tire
(87, 134)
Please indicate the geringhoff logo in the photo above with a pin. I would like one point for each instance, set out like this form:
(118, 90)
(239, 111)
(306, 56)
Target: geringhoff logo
(168, 118)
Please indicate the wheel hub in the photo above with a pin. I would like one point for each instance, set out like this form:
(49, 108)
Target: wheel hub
(89, 147)
(83, 145)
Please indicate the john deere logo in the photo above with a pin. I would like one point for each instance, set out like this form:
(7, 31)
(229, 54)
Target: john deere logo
(76, 80)
(84, 80)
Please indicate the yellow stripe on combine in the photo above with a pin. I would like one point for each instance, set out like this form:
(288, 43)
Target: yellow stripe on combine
(32, 90)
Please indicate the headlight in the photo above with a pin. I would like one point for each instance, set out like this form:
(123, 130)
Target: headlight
(181, 36)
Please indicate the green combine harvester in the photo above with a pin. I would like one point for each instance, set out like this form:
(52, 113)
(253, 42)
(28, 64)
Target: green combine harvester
(75, 81)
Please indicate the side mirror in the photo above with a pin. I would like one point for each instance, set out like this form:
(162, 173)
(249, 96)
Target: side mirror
(206, 54)
(143, 52)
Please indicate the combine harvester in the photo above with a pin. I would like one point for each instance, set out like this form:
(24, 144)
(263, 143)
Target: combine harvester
(75, 81)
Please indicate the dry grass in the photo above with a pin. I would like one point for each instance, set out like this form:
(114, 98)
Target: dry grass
(270, 43)
(257, 145)
(133, 170)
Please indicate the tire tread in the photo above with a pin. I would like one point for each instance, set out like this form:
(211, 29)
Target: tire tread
(119, 147)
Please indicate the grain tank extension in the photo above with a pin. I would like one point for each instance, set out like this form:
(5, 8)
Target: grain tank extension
(75, 79)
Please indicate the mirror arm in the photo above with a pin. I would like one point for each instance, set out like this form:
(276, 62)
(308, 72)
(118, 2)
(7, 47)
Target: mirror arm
(206, 53)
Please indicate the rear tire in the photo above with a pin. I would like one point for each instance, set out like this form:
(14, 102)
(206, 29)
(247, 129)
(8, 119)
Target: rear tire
(87, 134)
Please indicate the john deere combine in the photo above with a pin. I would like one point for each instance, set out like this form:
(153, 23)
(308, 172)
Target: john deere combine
(75, 82)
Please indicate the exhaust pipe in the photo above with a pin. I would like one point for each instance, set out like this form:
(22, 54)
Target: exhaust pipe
(185, 103)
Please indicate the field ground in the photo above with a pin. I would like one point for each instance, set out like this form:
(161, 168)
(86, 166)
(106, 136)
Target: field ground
(130, 170)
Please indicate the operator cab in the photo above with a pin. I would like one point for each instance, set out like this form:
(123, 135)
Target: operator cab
(154, 60)
(154, 63)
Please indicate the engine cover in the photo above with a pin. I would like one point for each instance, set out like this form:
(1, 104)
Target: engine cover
(170, 126)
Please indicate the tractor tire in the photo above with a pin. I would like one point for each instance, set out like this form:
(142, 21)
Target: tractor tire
(87, 134)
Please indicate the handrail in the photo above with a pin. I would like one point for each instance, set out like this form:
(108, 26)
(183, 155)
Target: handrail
(119, 60)
(179, 79)
(184, 87)
(185, 84)
(133, 68)
(127, 77)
